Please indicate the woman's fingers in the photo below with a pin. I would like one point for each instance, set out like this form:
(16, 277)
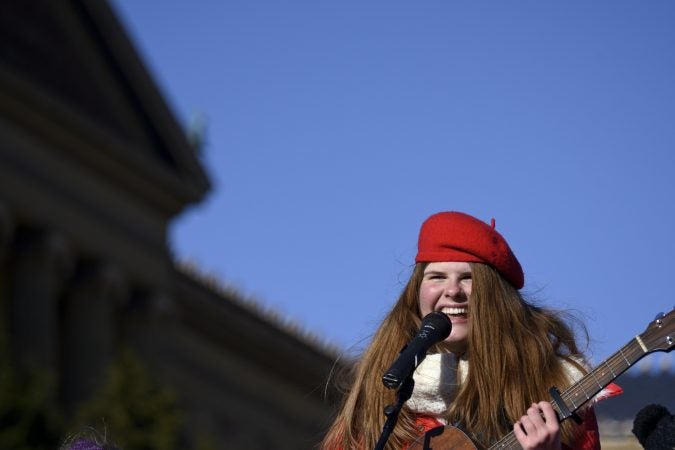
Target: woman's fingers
(549, 416)
(538, 428)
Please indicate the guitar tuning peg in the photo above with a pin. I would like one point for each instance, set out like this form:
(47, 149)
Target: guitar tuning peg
(659, 315)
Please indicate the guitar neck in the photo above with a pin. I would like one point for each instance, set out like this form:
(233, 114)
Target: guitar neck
(588, 386)
(607, 371)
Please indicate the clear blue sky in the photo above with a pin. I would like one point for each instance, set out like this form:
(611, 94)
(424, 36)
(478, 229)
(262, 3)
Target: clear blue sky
(336, 128)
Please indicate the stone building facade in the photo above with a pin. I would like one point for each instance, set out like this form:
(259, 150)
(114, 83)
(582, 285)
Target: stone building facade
(93, 168)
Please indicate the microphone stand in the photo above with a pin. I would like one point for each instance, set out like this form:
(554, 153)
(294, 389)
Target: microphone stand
(391, 411)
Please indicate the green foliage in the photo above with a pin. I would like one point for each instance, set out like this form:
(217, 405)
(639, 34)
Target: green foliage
(206, 443)
(136, 411)
(131, 409)
(29, 416)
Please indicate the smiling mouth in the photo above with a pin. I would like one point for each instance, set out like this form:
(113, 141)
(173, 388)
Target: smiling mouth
(455, 312)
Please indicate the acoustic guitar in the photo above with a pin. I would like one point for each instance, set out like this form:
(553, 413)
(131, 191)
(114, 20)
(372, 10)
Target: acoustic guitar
(659, 336)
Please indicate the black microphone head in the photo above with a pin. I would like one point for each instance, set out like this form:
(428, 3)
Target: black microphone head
(650, 422)
(437, 325)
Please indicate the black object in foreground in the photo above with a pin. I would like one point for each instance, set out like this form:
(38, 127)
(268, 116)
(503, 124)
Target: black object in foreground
(654, 428)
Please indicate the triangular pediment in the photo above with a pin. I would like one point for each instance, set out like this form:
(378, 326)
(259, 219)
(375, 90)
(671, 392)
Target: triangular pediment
(72, 64)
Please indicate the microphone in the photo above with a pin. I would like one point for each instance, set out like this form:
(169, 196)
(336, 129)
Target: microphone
(654, 427)
(436, 326)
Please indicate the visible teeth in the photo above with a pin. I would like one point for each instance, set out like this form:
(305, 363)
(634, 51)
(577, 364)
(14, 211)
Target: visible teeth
(453, 311)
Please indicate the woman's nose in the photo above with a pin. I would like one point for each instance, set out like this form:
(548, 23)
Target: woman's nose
(452, 289)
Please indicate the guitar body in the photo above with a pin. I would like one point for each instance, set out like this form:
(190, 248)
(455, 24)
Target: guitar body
(443, 438)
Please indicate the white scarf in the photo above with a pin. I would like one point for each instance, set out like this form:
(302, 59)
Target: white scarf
(437, 380)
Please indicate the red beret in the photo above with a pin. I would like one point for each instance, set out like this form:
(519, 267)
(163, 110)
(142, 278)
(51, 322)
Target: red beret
(455, 236)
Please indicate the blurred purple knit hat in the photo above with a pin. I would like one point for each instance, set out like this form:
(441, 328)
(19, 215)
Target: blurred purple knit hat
(85, 444)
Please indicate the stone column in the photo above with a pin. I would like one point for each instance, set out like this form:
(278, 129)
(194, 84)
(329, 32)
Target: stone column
(41, 264)
(6, 231)
(90, 328)
(6, 236)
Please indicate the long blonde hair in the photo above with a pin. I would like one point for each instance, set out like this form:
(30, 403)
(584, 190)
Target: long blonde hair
(510, 340)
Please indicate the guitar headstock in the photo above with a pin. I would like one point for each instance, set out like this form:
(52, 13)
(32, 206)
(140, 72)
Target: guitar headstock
(660, 334)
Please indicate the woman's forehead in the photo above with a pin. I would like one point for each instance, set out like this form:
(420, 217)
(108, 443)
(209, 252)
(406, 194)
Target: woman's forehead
(448, 266)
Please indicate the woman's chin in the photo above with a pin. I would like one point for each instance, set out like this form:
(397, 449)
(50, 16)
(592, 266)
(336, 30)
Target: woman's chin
(454, 345)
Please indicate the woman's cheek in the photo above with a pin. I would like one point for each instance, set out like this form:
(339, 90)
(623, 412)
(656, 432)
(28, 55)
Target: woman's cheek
(428, 298)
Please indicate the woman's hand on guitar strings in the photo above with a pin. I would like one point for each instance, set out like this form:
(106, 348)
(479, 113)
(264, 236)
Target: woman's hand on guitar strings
(539, 428)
